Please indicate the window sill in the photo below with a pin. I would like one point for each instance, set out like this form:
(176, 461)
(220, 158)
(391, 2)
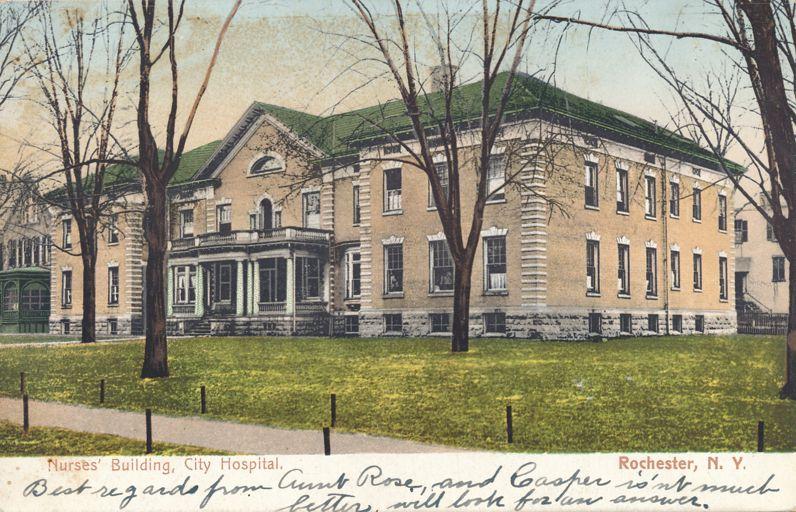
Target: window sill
(650, 217)
(431, 208)
(441, 294)
(675, 288)
(393, 333)
(592, 294)
(697, 221)
(778, 281)
(355, 225)
(697, 290)
(494, 335)
(591, 207)
(352, 299)
(111, 244)
(672, 216)
(113, 305)
(392, 212)
(724, 301)
(650, 296)
(440, 334)
(623, 212)
(623, 295)
(497, 201)
(393, 295)
(496, 293)
(66, 306)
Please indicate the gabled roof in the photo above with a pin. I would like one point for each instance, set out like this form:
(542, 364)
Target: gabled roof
(342, 134)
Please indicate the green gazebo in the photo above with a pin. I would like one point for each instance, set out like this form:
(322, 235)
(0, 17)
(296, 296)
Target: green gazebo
(25, 305)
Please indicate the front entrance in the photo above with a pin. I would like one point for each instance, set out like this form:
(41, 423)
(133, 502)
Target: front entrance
(221, 279)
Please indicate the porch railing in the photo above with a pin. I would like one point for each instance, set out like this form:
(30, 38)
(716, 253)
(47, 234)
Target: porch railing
(284, 234)
(310, 307)
(272, 307)
(183, 309)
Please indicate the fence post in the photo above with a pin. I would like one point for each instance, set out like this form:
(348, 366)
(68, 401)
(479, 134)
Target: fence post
(25, 415)
(102, 391)
(203, 393)
(21, 383)
(761, 433)
(327, 446)
(333, 400)
(149, 431)
(509, 426)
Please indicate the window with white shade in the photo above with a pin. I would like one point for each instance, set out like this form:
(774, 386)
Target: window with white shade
(353, 274)
(113, 229)
(66, 288)
(623, 278)
(592, 266)
(441, 275)
(723, 283)
(441, 169)
(186, 223)
(592, 197)
(308, 279)
(224, 214)
(496, 177)
(392, 190)
(113, 286)
(393, 268)
(495, 264)
(650, 197)
(311, 202)
(66, 228)
(185, 284)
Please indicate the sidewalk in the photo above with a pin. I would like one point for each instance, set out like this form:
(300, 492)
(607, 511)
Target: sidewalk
(220, 435)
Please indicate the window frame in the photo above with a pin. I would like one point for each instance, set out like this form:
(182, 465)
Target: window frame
(222, 211)
(66, 288)
(722, 205)
(696, 208)
(676, 269)
(593, 264)
(357, 209)
(389, 321)
(492, 319)
(622, 191)
(392, 201)
(724, 285)
(353, 259)
(441, 168)
(674, 200)
(623, 269)
(591, 185)
(113, 285)
(778, 274)
(66, 233)
(698, 276)
(388, 270)
(306, 215)
(650, 197)
(489, 266)
(438, 327)
(439, 252)
(113, 229)
(651, 272)
(184, 233)
(495, 181)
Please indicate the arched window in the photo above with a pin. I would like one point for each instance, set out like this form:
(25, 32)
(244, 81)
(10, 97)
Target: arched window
(10, 298)
(266, 214)
(35, 297)
(266, 164)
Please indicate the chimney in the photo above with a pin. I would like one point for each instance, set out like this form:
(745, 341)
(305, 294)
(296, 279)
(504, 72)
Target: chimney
(439, 77)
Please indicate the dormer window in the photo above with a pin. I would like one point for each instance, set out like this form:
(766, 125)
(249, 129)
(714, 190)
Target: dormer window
(266, 164)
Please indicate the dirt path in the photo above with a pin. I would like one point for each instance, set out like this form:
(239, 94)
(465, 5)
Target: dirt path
(219, 435)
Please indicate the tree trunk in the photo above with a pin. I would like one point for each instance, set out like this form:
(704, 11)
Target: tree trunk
(789, 389)
(88, 324)
(460, 333)
(155, 353)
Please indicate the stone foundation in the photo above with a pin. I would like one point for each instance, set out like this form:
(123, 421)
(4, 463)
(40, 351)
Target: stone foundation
(125, 325)
(310, 325)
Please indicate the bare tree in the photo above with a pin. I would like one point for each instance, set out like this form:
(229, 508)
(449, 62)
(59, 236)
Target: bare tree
(436, 127)
(14, 16)
(158, 167)
(758, 39)
(74, 66)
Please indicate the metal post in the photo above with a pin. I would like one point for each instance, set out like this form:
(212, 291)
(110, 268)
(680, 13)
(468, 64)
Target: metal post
(509, 427)
(25, 416)
(327, 447)
(149, 431)
(21, 383)
(761, 433)
(204, 399)
(334, 409)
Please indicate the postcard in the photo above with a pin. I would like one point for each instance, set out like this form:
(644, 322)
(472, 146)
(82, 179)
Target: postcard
(369, 255)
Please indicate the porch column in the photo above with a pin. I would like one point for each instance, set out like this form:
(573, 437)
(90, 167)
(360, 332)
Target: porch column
(199, 305)
(170, 292)
(239, 305)
(290, 298)
(256, 288)
(250, 288)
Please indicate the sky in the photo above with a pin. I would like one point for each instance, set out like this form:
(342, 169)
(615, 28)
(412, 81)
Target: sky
(298, 54)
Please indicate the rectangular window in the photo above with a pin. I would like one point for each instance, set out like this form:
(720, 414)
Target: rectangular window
(186, 223)
(66, 288)
(770, 235)
(113, 229)
(224, 214)
(393, 323)
(675, 264)
(357, 209)
(625, 323)
(495, 264)
(496, 178)
(66, 227)
(392, 190)
(353, 274)
(308, 279)
(697, 210)
(113, 286)
(592, 266)
(741, 231)
(650, 197)
(677, 323)
(652, 272)
(623, 278)
(440, 322)
(66, 326)
(113, 326)
(652, 322)
(351, 324)
(442, 173)
(393, 268)
(273, 280)
(778, 269)
(185, 284)
(595, 323)
(12, 253)
(722, 213)
(441, 272)
(495, 323)
(723, 283)
(674, 200)
(591, 185)
(697, 271)
(311, 206)
(224, 283)
(622, 195)
(699, 323)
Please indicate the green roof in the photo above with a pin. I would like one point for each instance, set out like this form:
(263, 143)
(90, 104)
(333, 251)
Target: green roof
(340, 134)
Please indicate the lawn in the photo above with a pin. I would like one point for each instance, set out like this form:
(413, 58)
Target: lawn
(645, 394)
(8, 339)
(58, 441)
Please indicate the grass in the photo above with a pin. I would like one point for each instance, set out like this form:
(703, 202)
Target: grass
(9, 339)
(640, 394)
(58, 441)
